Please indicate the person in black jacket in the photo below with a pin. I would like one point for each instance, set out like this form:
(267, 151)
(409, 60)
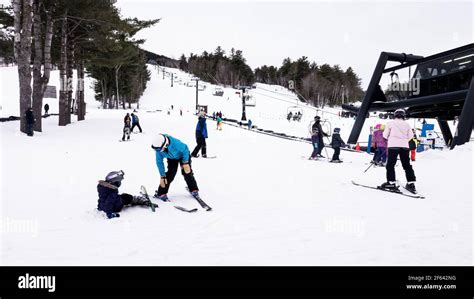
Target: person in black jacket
(336, 144)
(110, 202)
(201, 135)
(30, 121)
(317, 127)
(46, 108)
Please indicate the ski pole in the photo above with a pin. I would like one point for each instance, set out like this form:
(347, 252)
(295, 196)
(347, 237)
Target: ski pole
(371, 164)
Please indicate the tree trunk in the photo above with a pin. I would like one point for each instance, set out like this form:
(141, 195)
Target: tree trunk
(63, 92)
(37, 64)
(42, 55)
(81, 106)
(117, 68)
(23, 23)
(70, 73)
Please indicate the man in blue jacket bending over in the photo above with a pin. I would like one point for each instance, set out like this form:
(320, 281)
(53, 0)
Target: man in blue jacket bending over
(176, 152)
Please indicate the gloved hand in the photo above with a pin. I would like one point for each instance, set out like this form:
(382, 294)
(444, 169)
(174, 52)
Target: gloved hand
(163, 182)
(113, 215)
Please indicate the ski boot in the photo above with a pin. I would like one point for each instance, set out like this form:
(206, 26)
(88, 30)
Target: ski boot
(140, 201)
(195, 156)
(163, 197)
(390, 186)
(410, 186)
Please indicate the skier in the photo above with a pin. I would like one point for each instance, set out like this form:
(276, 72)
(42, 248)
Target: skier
(413, 143)
(126, 127)
(135, 122)
(219, 123)
(336, 144)
(398, 133)
(315, 142)
(321, 133)
(201, 135)
(289, 116)
(380, 143)
(30, 121)
(176, 152)
(110, 202)
(46, 108)
(249, 124)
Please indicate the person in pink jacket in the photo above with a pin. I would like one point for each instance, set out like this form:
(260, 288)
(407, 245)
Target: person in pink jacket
(398, 133)
(380, 143)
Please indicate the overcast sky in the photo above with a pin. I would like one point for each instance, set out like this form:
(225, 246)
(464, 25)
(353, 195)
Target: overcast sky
(348, 33)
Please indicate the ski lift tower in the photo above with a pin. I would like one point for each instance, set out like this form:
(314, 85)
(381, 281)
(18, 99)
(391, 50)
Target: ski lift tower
(244, 96)
(197, 91)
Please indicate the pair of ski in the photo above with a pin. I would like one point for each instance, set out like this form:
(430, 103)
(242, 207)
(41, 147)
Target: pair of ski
(153, 205)
(396, 191)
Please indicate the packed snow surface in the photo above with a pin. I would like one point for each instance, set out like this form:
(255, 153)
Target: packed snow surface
(271, 206)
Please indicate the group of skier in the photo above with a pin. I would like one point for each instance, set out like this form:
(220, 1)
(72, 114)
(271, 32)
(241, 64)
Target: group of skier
(396, 139)
(391, 141)
(130, 121)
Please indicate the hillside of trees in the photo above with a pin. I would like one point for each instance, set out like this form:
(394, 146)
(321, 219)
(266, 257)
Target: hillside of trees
(219, 68)
(319, 85)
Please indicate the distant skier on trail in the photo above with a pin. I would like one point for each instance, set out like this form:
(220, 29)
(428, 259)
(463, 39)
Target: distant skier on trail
(336, 144)
(219, 123)
(315, 143)
(413, 144)
(201, 135)
(321, 134)
(177, 153)
(110, 202)
(380, 143)
(249, 124)
(398, 133)
(135, 122)
(46, 108)
(30, 121)
(126, 127)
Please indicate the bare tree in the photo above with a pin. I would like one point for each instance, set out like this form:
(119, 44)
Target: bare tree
(41, 54)
(22, 10)
(64, 87)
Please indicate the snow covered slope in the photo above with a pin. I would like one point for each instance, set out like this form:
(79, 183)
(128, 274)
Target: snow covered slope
(270, 205)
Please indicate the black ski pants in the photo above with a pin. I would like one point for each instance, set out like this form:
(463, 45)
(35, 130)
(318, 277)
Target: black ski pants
(137, 125)
(404, 154)
(337, 151)
(201, 144)
(171, 173)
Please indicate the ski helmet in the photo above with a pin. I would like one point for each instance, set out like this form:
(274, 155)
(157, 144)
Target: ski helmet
(160, 142)
(399, 113)
(115, 177)
(377, 127)
(337, 130)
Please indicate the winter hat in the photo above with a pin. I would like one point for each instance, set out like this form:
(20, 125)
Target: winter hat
(337, 130)
(317, 117)
(115, 177)
(399, 113)
(377, 127)
(160, 142)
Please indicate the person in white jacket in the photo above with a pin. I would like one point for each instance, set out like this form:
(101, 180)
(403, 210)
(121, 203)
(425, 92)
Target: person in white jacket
(398, 133)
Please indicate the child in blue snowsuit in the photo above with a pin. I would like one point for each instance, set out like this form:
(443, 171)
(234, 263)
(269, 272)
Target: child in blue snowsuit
(110, 202)
(336, 144)
(176, 153)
